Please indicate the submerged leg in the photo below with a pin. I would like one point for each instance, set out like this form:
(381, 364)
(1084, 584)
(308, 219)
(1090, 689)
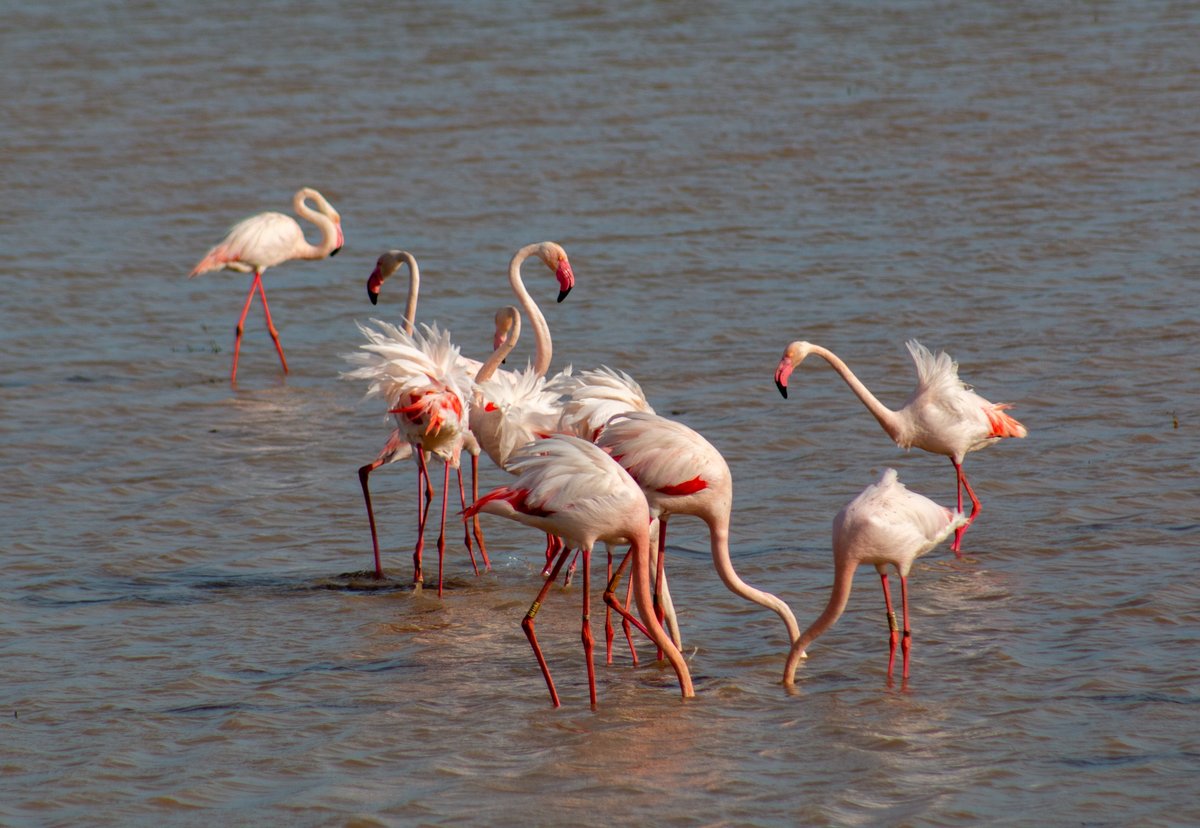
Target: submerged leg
(262, 291)
(241, 324)
(527, 623)
(893, 628)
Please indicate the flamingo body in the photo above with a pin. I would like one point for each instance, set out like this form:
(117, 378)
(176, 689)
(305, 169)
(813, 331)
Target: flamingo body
(885, 525)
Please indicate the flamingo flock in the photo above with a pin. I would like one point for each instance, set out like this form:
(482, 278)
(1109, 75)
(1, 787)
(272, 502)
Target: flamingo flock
(591, 462)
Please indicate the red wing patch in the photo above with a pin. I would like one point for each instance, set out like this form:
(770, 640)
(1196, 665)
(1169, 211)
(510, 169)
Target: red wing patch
(686, 488)
(1003, 425)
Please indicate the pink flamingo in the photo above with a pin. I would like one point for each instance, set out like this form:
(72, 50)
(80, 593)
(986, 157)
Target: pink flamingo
(428, 389)
(569, 488)
(265, 240)
(942, 415)
(885, 524)
(681, 473)
(495, 422)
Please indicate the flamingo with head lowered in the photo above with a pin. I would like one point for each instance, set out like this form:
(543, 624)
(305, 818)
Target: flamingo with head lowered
(942, 415)
(268, 239)
(569, 488)
(885, 525)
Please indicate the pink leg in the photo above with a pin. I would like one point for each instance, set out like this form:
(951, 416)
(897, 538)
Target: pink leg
(609, 633)
(893, 628)
(589, 644)
(363, 473)
(961, 483)
(237, 338)
(424, 498)
(441, 541)
(571, 569)
(527, 623)
(659, 610)
(462, 498)
(610, 599)
(487, 564)
(906, 641)
(553, 546)
(270, 325)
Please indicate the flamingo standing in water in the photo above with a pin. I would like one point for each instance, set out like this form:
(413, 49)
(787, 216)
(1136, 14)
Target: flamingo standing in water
(496, 423)
(681, 473)
(885, 524)
(265, 240)
(569, 488)
(942, 415)
(429, 390)
(396, 448)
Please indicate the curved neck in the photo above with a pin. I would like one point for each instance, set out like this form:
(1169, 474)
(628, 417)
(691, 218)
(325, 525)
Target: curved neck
(843, 577)
(541, 331)
(488, 368)
(319, 217)
(414, 287)
(639, 548)
(719, 538)
(887, 418)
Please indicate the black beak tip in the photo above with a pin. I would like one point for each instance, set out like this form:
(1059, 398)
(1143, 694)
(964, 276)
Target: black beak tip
(374, 297)
(782, 388)
(334, 252)
(562, 294)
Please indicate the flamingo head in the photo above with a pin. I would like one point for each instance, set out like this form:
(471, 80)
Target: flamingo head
(507, 318)
(792, 357)
(556, 259)
(385, 266)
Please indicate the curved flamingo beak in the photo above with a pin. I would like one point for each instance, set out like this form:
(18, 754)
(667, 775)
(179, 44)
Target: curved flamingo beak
(781, 375)
(374, 285)
(341, 241)
(566, 279)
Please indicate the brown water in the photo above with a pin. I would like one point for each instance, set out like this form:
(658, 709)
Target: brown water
(185, 640)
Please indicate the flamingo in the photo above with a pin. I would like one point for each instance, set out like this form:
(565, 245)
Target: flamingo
(395, 448)
(592, 397)
(570, 488)
(265, 240)
(499, 435)
(681, 473)
(428, 389)
(942, 415)
(885, 524)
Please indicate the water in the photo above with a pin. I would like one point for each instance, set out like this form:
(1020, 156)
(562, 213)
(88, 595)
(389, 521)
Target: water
(187, 638)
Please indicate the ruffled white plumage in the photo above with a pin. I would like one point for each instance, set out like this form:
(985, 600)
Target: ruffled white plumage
(591, 398)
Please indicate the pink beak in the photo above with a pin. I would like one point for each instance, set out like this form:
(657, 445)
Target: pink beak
(566, 279)
(781, 375)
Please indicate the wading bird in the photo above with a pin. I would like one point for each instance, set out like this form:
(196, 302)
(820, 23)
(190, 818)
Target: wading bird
(265, 240)
(942, 415)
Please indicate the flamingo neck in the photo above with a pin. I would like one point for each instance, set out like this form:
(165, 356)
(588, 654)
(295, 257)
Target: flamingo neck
(414, 288)
(890, 420)
(722, 562)
(319, 217)
(843, 578)
(639, 547)
(541, 331)
(498, 356)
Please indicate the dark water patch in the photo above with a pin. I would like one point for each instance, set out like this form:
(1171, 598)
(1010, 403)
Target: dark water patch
(1129, 759)
(1144, 698)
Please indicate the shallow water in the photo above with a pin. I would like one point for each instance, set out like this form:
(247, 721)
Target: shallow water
(189, 638)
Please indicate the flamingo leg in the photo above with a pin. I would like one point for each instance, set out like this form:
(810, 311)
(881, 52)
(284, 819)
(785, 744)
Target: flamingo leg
(660, 568)
(487, 564)
(571, 569)
(462, 498)
(241, 325)
(975, 507)
(610, 598)
(527, 623)
(906, 640)
(424, 498)
(363, 473)
(893, 627)
(552, 549)
(441, 541)
(589, 644)
(609, 632)
(262, 291)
